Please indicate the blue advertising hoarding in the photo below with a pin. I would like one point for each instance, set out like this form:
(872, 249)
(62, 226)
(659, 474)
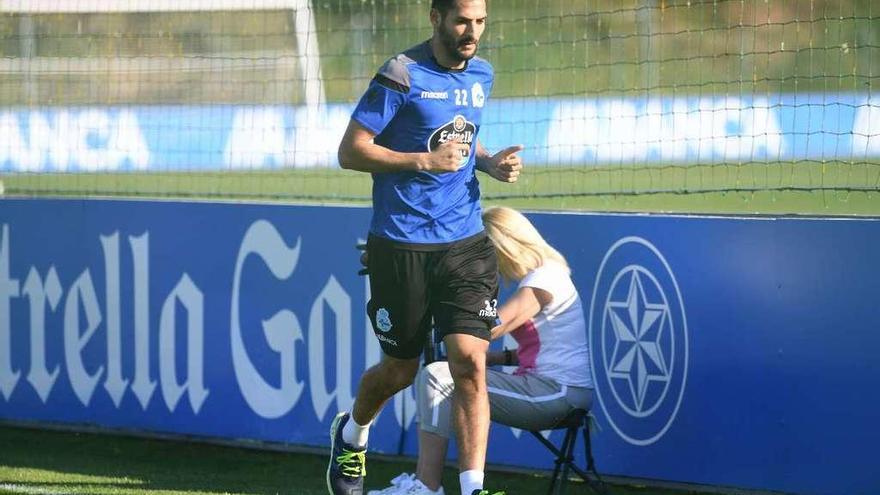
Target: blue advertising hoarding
(555, 131)
(726, 351)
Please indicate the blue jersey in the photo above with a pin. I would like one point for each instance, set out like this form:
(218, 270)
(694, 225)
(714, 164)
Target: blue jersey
(414, 105)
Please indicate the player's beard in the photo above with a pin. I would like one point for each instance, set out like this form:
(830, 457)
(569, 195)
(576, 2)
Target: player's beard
(452, 44)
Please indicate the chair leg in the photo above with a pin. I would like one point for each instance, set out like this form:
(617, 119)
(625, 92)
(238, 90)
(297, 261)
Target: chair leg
(556, 468)
(598, 485)
(563, 461)
(568, 460)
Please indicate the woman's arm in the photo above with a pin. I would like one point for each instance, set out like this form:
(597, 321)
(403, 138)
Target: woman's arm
(525, 303)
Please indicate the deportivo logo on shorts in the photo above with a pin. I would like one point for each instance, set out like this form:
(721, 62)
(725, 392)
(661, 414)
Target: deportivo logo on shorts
(383, 320)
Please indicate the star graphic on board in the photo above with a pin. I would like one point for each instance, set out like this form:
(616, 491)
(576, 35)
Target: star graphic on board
(638, 327)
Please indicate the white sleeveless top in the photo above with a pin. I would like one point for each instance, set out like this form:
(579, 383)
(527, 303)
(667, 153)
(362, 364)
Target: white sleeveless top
(554, 343)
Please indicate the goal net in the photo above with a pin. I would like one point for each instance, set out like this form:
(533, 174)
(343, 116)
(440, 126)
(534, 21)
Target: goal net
(637, 104)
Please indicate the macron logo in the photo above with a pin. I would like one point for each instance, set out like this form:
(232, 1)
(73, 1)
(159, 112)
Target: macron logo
(491, 309)
(435, 95)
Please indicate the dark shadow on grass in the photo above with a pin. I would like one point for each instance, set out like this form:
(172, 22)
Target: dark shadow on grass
(181, 466)
(160, 464)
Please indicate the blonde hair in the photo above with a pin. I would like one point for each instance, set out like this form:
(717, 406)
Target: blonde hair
(519, 245)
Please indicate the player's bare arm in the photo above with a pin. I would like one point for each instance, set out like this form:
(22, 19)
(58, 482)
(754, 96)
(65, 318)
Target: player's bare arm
(359, 152)
(505, 166)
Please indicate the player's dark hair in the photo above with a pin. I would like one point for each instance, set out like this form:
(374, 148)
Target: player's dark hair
(442, 6)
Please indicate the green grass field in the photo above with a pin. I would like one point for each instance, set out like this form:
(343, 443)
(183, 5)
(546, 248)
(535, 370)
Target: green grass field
(804, 188)
(52, 462)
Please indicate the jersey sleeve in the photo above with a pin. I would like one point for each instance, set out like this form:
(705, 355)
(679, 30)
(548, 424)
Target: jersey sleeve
(551, 278)
(387, 93)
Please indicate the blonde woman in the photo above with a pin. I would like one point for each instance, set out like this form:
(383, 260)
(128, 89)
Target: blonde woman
(552, 377)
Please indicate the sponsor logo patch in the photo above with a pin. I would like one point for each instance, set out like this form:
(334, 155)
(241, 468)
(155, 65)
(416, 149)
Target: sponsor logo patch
(458, 129)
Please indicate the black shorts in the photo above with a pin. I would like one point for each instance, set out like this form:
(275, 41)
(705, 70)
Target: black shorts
(452, 286)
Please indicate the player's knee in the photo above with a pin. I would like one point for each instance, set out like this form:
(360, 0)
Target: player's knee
(399, 374)
(469, 368)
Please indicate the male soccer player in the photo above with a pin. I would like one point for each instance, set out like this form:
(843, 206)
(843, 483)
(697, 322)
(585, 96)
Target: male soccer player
(415, 129)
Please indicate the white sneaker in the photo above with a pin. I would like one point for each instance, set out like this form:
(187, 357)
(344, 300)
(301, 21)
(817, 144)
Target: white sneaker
(406, 484)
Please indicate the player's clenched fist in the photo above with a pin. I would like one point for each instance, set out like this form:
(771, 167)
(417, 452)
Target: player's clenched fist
(448, 157)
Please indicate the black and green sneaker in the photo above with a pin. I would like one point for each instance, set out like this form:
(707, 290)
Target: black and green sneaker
(348, 465)
(487, 492)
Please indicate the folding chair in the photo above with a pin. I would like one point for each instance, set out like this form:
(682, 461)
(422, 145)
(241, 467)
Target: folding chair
(578, 419)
